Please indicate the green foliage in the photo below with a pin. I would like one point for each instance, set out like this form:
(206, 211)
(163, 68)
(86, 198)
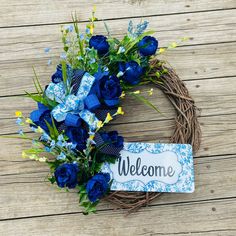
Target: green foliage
(145, 101)
(89, 207)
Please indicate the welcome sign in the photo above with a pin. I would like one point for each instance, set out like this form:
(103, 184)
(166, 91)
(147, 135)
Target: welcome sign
(153, 167)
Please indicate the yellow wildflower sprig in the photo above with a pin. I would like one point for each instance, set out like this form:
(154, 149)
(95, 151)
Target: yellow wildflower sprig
(172, 45)
(109, 118)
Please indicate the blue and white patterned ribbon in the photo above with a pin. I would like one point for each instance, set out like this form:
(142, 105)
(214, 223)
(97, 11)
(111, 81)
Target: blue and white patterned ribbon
(73, 104)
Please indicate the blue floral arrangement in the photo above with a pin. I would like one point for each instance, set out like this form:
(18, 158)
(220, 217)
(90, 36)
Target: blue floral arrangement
(94, 74)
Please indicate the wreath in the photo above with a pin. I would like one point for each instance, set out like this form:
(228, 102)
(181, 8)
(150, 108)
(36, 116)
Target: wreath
(95, 73)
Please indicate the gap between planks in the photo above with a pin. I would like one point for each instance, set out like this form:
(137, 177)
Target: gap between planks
(38, 13)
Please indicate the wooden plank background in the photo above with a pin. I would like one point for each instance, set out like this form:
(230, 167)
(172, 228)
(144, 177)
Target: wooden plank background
(29, 205)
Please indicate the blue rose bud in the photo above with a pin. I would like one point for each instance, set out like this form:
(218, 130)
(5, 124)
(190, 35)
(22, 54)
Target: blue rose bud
(110, 90)
(66, 175)
(57, 76)
(99, 42)
(148, 46)
(97, 186)
(40, 117)
(113, 139)
(132, 72)
(78, 137)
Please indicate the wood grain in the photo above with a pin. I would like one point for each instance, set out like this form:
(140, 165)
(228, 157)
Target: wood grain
(25, 12)
(193, 218)
(22, 183)
(20, 49)
(218, 138)
(213, 97)
(31, 206)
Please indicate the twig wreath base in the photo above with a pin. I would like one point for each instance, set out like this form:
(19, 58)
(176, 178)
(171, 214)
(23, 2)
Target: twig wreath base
(187, 130)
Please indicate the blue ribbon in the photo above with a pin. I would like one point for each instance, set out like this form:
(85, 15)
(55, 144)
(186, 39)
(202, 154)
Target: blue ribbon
(73, 107)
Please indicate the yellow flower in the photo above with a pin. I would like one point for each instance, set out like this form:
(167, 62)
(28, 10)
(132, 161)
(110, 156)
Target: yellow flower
(136, 92)
(173, 45)
(24, 155)
(122, 94)
(150, 92)
(119, 111)
(91, 29)
(161, 50)
(39, 130)
(94, 8)
(185, 39)
(91, 137)
(108, 118)
(18, 114)
(99, 124)
(42, 159)
(33, 156)
(28, 121)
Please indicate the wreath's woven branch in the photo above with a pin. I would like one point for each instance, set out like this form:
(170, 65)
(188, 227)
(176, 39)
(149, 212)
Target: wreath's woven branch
(187, 130)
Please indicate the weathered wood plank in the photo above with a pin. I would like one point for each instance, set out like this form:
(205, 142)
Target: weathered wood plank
(20, 49)
(218, 134)
(212, 96)
(184, 219)
(25, 12)
(193, 62)
(20, 191)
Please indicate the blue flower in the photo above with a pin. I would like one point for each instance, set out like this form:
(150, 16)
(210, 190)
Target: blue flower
(97, 186)
(45, 137)
(44, 117)
(99, 42)
(66, 175)
(81, 36)
(20, 132)
(132, 72)
(113, 139)
(19, 121)
(78, 136)
(69, 28)
(110, 90)
(61, 156)
(49, 62)
(148, 46)
(47, 50)
(57, 76)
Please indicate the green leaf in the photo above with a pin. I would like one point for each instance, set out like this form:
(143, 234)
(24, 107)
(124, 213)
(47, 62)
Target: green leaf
(37, 81)
(85, 204)
(54, 127)
(64, 72)
(51, 130)
(107, 29)
(52, 179)
(82, 197)
(145, 101)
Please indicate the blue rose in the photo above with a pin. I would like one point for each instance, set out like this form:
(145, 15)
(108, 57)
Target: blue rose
(147, 46)
(99, 42)
(132, 72)
(110, 90)
(66, 175)
(57, 76)
(78, 136)
(40, 117)
(97, 186)
(113, 139)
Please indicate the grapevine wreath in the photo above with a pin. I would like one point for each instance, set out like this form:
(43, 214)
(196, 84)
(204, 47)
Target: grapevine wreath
(95, 72)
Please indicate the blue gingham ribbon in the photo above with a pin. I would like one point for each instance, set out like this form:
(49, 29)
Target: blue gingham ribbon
(74, 104)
